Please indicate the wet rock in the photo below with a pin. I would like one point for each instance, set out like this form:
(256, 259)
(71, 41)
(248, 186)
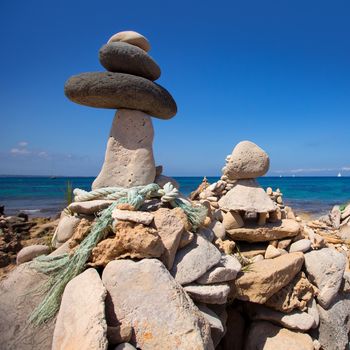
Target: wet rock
(31, 252)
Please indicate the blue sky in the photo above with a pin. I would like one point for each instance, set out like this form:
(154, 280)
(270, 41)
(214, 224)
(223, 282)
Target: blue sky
(273, 72)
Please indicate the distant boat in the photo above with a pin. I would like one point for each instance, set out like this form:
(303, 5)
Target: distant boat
(339, 174)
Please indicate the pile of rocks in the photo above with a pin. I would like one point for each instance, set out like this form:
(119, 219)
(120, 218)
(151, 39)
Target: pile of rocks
(251, 276)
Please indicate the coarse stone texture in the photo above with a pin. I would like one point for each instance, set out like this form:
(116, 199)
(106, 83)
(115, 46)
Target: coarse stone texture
(247, 161)
(120, 91)
(303, 245)
(313, 311)
(81, 231)
(194, 260)
(325, 268)
(217, 329)
(119, 332)
(231, 220)
(334, 328)
(31, 252)
(132, 38)
(140, 217)
(266, 336)
(206, 233)
(269, 232)
(235, 325)
(129, 157)
(161, 314)
(295, 295)
(169, 227)
(125, 58)
(81, 320)
(209, 294)
(271, 252)
(344, 232)
(65, 229)
(267, 277)
(89, 207)
(247, 195)
(19, 298)
(296, 320)
(218, 229)
(130, 240)
(226, 270)
(335, 216)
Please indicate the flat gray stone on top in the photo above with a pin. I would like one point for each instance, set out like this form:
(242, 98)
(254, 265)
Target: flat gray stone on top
(208, 293)
(194, 260)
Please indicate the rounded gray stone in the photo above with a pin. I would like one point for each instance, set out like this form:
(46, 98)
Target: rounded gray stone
(120, 90)
(125, 58)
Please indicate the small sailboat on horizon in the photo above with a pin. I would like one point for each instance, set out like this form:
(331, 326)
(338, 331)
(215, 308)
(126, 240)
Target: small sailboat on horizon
(339, 175)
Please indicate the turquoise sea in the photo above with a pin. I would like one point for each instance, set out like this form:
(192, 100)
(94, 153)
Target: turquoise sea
(45, 196)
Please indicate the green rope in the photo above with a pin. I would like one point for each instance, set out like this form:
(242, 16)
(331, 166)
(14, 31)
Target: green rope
(63, 268)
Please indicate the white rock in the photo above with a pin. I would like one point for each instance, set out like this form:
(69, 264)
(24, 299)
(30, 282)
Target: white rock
(218, 229)
(65, 229)
(31, 252)
(140, 217)
(209, 294)
(89, 207)
(226, 270)
(303, 245)
(81, 320)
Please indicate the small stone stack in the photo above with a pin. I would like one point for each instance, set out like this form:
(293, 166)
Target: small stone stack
(128, 85)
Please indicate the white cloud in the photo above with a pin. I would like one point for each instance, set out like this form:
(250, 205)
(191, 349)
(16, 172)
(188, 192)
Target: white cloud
(311, 170)
(21, 151)
(23, 144)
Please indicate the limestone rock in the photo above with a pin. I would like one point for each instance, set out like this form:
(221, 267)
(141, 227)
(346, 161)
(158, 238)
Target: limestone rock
(144, 294)
(129, 157)
(89, 207)
(247, 161)
(194, 260)
(312, 310)
(125, 58)
(81, 320)
(226, 270)
(206, 233)
(325, 268)
(82, 230)
(303, 245)
(31, 252)
(186, 238)
(140, 217)
(271, 252)
(335, 216)
(267, 277)
(209, 294)
(265, 336)
(120, 91)
(19, 298)
(296, 320)
(218, 229)
(65, 229)
(132, 38)
(269, 232)
(169, 228)
(225, 246)
(295, 295)
(131, 240)
(232, 220)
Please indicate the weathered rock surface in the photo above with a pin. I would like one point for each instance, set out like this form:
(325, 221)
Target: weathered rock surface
(265, 336)
(325, 268)
(165, 317)
(81, 231)
(247, 161)
(194, 260)
(19, 298)
(129, 157)
(131, 240)
(126, 58)
(120, 91)
(209, 294)
(271, 252)
(186, 238)
(295, 295)
(132, 38)
(269, 232)
(81, 320)
(140, 217)
(65, 229)
(296, 320)
(31, 252)
(218, 229)
(232, 220)
(247, 195)
(303, 245)
(89, 207)
(267, 277)
(169, 227)
(226, 270)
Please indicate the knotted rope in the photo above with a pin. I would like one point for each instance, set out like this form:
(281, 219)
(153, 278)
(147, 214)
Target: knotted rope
(63, 268)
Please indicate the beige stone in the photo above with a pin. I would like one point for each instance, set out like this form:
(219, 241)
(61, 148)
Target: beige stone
(140, 217)
(81, 320)
(232, 220)
(186, 238)
(210, 293)
(294, 295)
(160, 313)
(225, 246)
(129, 157)
(271, 231)
(267, 277)
(170, 229)
(132, 38)
(89, 207)
(284, 243)
(31, 252)
(65, 229)
(271, 252)
(266, 336)
(131, 240)
(82, 230)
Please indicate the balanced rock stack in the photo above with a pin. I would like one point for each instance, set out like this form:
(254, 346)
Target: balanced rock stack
(128, 85)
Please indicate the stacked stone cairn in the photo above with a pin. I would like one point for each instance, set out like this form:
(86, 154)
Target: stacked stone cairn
(249, 277)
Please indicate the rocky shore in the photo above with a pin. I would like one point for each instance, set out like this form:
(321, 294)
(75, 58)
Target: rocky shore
(134, 264)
